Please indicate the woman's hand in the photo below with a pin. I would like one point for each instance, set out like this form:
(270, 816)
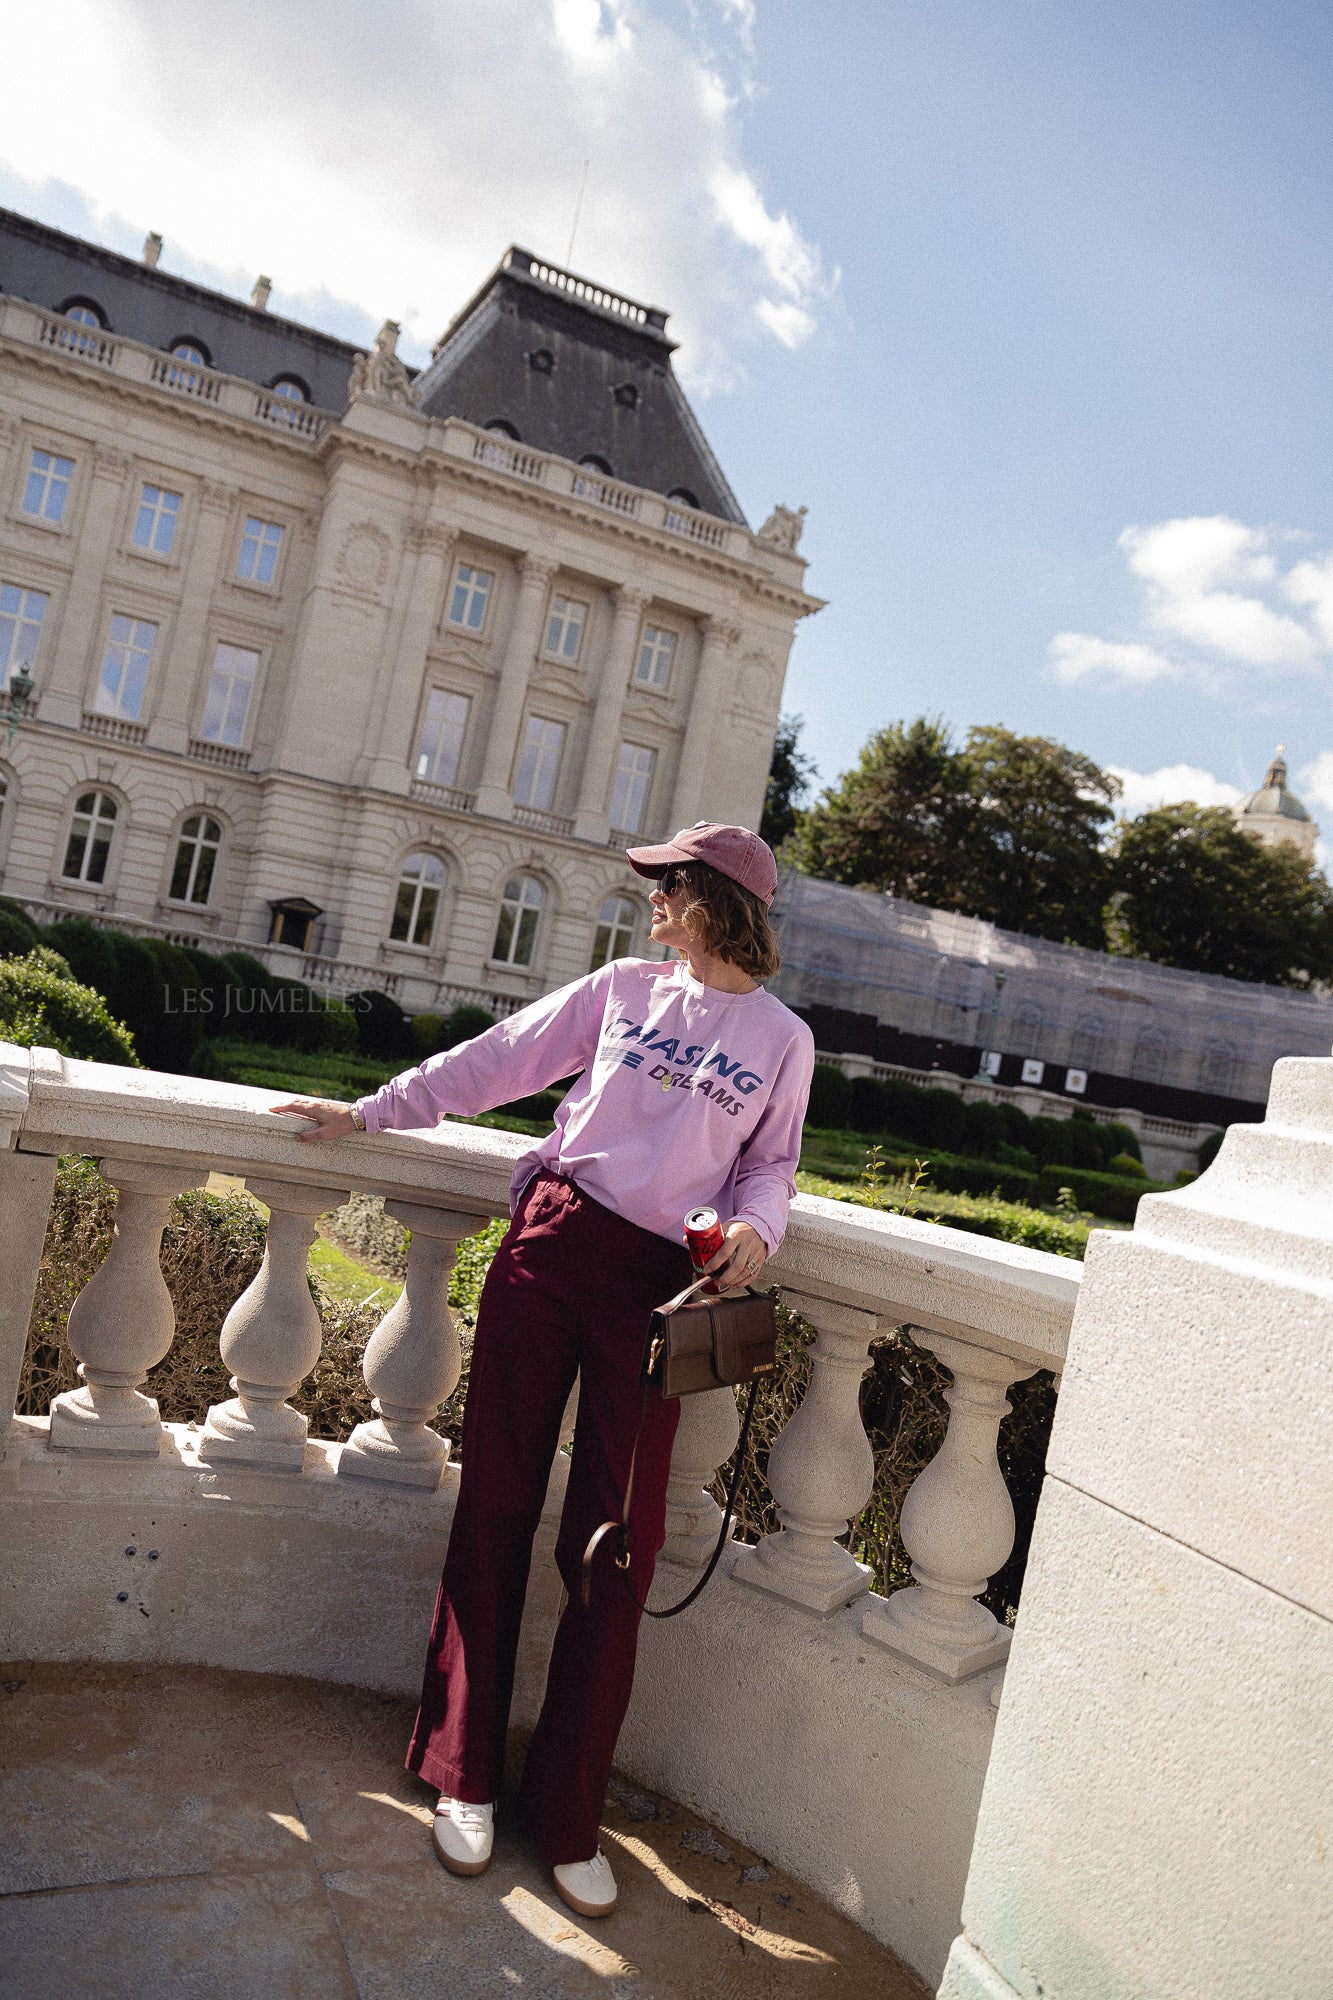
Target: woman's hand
(741, 1258)
(332, 1121)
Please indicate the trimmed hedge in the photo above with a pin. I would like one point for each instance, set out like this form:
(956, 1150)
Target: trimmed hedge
(1115, 1196)
(41, 1006)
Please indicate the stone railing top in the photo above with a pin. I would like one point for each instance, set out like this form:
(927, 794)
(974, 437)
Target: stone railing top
(54, 1104)
(995, 1295)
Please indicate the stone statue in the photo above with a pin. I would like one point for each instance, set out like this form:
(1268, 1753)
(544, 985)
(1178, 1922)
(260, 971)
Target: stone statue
(381, 374)
(782, 529)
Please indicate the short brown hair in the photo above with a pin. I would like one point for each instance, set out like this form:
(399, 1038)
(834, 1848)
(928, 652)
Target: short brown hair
(727, 920)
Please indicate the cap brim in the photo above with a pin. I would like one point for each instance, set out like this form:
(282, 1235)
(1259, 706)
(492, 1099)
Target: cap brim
(652, 860)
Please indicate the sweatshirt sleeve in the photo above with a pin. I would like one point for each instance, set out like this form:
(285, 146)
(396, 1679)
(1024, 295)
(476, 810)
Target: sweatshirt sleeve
(532, 1049)
(766, 1171)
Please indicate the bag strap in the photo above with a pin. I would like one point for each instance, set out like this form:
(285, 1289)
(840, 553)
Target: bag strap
(620, 1528)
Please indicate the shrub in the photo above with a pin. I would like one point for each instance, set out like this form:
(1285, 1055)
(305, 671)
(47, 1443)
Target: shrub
(1066, 1141)
(41, 1006)
(427, 1035)
(829, 1098)
(984, 1130)
(18, 933)
(382, 1028)
(1115, 1196)
(1125, 1163)
(467, 1020)
(1209, 1149)
(1118, 1138)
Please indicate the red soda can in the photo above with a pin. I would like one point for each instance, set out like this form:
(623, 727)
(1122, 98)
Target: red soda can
(703, 1236)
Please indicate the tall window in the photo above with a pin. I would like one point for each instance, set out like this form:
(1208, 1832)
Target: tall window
(21, 615)
(615, 931)
(229, 689)
(516, 932)
(47, 486)
(125, 664)
(471, 595)
(443, 728)
(656, 652)
(155, 522)
(539, 763)
(258, 560)
(564, 630)
(629, 793)
(418, 901)
(89, 842)
(196, 859)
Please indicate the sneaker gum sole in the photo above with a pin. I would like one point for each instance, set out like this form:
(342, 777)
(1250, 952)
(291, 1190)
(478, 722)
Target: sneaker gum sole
(584, 1909)
(458, 1867)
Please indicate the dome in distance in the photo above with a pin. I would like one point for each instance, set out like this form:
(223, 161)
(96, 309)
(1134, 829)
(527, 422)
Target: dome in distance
(1274, 814)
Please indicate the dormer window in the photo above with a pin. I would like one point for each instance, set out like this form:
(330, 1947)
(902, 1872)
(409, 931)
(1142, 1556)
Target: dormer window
(191, 351)
(502, 428)
(541, 361)
(84, 313)
(685, 497)
(626, 394)
(287, 385)
(596, 464)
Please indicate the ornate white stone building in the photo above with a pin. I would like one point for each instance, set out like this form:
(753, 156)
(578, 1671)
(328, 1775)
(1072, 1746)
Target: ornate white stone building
(1274, 816)
(371, 674)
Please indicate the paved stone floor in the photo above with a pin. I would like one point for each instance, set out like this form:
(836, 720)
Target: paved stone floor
(187, 1834)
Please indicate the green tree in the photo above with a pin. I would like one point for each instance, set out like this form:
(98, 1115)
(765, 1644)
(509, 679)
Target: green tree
(43, 1006)
(789, 777)
(1035, 860)
(1191, 890)
(896, 821)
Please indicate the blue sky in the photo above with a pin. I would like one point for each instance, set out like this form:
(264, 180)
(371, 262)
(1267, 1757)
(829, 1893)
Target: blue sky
(1029, 303)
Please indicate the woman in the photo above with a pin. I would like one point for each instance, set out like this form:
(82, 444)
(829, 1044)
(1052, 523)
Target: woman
(693, 1091)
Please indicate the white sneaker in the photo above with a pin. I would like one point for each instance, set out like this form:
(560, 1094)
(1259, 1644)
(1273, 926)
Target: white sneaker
(463, 1835)
(587, 1886)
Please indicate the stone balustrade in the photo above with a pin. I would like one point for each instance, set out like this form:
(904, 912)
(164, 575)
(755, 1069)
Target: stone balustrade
(263, 1582)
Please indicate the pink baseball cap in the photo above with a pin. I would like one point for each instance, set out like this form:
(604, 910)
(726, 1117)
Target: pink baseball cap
(732, 850)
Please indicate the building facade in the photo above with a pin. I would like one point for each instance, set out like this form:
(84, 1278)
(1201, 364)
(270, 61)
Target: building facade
(1274, 816)
(370, 673)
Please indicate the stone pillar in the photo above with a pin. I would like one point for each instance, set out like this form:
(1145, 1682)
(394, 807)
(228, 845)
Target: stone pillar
(26, 1181)
(271, 1339)
(706, 1436)
(688, 802)
(172, 710)
(431, 548)
(62, 680)
(1155, 1818)
(957, 1525)
(820, 1471)
(591, 820)
(122, 1322)
(413, 1359)
(494, 797)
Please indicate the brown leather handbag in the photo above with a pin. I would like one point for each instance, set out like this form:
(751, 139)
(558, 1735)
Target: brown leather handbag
(714, 1341)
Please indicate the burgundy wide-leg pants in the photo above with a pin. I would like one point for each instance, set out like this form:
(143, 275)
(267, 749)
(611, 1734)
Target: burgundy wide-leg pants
(569, 1293)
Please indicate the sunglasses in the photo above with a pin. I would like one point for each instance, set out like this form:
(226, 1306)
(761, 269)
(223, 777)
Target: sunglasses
(670, 880)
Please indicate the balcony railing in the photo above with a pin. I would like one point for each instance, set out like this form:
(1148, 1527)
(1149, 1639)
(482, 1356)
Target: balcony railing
(226, 754)
(443, 795)
(115, 728)
(542, 822)
(269, 1527)
(72, 337)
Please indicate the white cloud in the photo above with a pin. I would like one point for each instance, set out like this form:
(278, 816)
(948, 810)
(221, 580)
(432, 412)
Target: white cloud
(1215, 591)
(1171, 785)
(388, 162)
(1314, 783)
(1074, 655)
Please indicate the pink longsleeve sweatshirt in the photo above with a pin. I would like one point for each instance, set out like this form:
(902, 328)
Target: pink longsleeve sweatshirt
(688, 1096)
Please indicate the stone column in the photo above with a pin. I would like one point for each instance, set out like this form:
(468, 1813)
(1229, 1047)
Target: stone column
(172, 714)
(62, 679)
(122, 1322)
(957, 1525)
(494, 797)
(26, 1181)
(820, 1471)
(413, 1358)
(431, 546)
(271, 1339)
(706, 1436)
(591, 820)
(688, 802)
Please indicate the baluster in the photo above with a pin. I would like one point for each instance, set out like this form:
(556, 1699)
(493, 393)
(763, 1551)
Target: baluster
(820, 1471)
(413, 1358)
(705, 1439)
(122, 1322)
(957, 1525)
(271, 1338)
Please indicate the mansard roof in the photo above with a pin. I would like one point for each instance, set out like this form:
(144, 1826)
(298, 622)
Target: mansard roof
(570, 367)
(51, 269)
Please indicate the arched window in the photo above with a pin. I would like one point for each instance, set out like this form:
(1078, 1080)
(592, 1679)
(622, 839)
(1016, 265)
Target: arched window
(616, 922)
(89, 845)
(1217, 1072)
(516, 932)
(287, 385)
(192, 351)
(1024, 1036)
(684, 495)
(502, 427)
(1086, 1044)
(1149, 1064)
(417, 903)
(196, 859)
(84, 313)
(596, 464)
